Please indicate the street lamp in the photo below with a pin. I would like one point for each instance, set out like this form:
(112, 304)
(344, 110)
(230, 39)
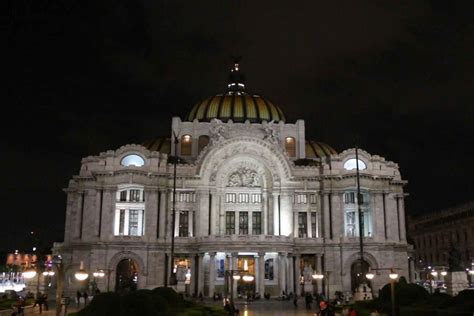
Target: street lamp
(393, 276)
(173, 280)
(320, 276)
(236, 275)
(100, 273)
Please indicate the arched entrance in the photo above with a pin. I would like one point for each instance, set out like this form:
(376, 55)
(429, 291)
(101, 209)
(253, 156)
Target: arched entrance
(359, 269)
(126, 276)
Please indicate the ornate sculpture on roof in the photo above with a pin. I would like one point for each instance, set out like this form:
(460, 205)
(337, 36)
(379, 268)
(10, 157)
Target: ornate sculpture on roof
(271, 133)
(244, 177)
(218, 131)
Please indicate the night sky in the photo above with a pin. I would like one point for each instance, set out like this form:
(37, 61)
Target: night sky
(81, 77)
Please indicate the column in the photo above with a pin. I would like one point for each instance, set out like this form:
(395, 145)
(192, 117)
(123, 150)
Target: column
(151, 214)
(214, 213)
(202, 216)
(98, 208)
(193, 284)
(291, 275)
(309, 231)
(337, 215)
(297, 274)
(221, 214)
(276, 215)
(264, 215)
(271, 216)
(163, 212)
(191, 223)
(286, 214)
(282, 271)
(318, 270)
(212, 273)
(261, 273)
(401, 217)
(234, 256)
(325, 218)
(200, 274)
(295, 224)
(108, 214)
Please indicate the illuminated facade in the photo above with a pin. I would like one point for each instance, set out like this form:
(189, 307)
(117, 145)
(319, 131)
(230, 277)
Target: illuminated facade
(251, 192)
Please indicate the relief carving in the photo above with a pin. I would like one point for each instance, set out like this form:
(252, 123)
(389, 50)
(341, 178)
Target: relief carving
(244, 177)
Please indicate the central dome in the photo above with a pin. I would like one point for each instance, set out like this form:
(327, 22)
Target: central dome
(236, 104)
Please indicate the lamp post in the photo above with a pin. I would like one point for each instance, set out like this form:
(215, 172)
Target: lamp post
(57, 262)
(173, 280)
(360, 216)
(236, 275)
(320, 276)
(393, 276)
(100, 273)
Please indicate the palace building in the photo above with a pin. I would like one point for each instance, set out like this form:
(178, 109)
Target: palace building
(252, 193)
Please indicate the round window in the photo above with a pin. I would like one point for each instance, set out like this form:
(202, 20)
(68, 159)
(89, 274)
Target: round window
(132, 160)
(352, 164)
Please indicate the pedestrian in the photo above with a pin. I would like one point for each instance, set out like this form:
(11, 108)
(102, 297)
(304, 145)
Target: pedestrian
(78, 297)
(85, 297)
(45, 301)
(352, 312)
(308, 300)
(295, 300)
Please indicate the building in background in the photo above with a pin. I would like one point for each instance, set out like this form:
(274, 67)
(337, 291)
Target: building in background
(252, 192)
(434, 234)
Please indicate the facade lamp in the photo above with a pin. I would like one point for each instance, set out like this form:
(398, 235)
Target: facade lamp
(444, 273)
(29, 273)
(471, 272)
(434, 273)
(318, 276)
(248, 278)
(48, 273)
(236, 277)
(81, 275)
(393, 275)
(370, 275)
(99, 274)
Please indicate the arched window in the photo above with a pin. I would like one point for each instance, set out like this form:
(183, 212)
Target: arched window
(290, 146)
(132, 160)
(352, 164)
(186, 145)
(202, 142)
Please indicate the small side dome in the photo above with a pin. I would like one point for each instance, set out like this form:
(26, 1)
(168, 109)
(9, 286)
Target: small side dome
(318, 150)
(162, 145)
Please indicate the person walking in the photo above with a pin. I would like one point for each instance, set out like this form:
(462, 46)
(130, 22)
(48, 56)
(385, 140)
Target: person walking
(85, 298)
(78, 297)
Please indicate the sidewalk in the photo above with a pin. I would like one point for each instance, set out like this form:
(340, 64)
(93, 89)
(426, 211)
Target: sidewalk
(29, 310)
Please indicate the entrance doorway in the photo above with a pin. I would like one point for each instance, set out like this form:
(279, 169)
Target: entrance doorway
(127, 276)
(245, 288)
(358, 271)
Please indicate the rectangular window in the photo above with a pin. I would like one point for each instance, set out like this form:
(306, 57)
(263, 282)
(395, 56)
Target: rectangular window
(183, 224)
(243, 198)
(349, 197)
(302, 222)
(350, 224)
(123, 196)
(133, 223)
(121, 222)
(314, 231)
(301, 198)
(312, 198)
(134, 195)
(230, 223)
(256, 223)
(256, 198)
(243, 223)
(230, 198)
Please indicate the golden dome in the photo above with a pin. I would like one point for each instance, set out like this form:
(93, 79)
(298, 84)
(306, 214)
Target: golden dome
(318, 149)
(237, 106)
(162, 145)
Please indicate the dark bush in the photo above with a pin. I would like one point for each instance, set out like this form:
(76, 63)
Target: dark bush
(104, 304)
(406, 294)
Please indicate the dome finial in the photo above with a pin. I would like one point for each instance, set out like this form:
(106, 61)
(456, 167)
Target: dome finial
(236, 78)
